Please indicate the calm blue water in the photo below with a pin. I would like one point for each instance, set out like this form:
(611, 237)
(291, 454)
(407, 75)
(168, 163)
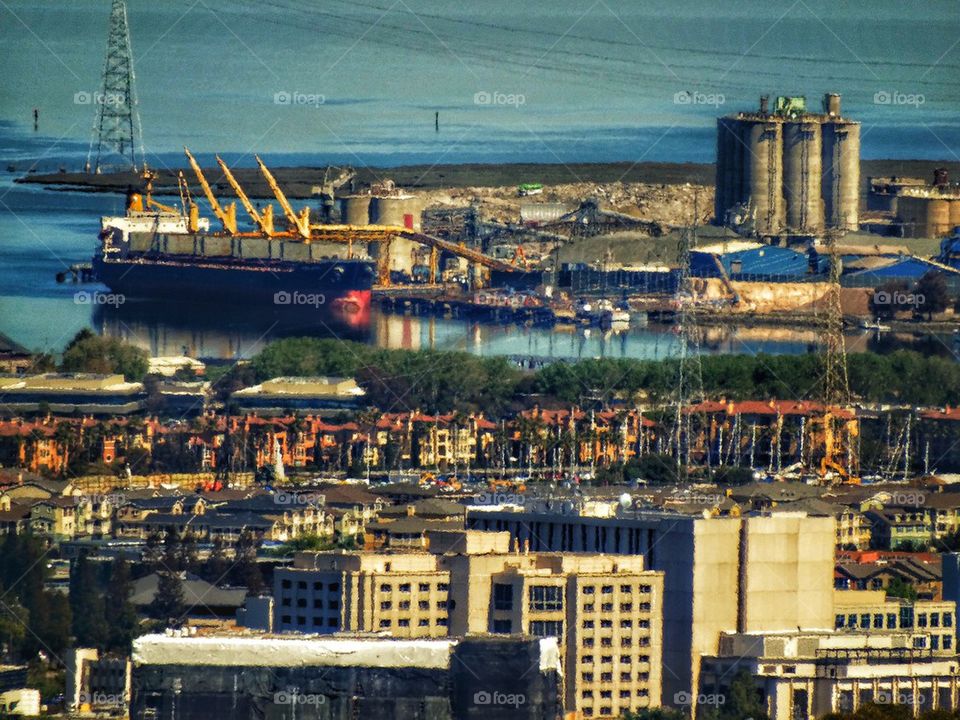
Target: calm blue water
(583, 82)
(598, 80)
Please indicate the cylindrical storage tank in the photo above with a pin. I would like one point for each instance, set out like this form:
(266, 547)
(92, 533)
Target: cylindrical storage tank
(398, 211)
(938, 217)
(355, 209)
(764, 145)
(721, 192)
(831, 104)
(841, 174)
(802, 150)
(954, 213)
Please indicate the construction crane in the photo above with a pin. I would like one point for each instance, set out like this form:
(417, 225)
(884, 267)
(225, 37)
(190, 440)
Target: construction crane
(301, 222)
(327, 190)
(228, 216)
(263, 219)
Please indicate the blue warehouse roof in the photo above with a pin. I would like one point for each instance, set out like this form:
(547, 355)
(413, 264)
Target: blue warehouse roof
(742, 260)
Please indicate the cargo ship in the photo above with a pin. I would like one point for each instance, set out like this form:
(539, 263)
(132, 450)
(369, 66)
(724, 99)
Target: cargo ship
(164, 252)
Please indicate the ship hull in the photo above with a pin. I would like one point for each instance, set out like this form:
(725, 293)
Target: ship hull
(266, 283)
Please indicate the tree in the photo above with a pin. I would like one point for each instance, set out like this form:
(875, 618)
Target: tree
(87, 606)
(932, 293)
(120, 613)
(88, 352)
(168, 604)
(900, 588)
(742, 699)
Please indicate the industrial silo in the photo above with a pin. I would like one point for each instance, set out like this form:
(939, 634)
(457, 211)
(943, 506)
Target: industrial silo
(355, 209)
(729, 185)
(802, 151)
(841, 172)
(398, 211)
(954, 213)
(763, 142)
(938, 217)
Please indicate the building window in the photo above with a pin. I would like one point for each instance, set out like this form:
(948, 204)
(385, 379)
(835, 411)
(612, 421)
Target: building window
(921, 619)
(286, 584)
(947, 619)
(404, 605)
(423, 622)
(502, 596)
(405, 587)
(934, 619)
(424, 587)
(588, 589)
(891, 621)
(334, 587)
(301, 585)
(386, 587)
(385, 623)
(546, 628)
(626, 589)
(403, 622)
(502, 627)
(947, 642)
(546, 597)
(606, 589)
(386, 605)
(424, 605)
(645, 589)
(588, 624)
(318, 586)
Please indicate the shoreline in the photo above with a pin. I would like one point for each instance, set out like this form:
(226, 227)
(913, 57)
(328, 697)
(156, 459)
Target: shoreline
(298, 181)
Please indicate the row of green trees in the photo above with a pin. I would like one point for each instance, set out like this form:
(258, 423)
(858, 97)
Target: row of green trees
(442, 381)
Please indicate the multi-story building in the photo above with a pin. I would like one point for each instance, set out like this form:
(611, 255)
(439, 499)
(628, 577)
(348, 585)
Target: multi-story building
(605, 611)
(927, 624)
(770, 573)
(405, 594)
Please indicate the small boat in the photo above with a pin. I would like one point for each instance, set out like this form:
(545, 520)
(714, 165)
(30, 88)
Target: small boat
(874, 325)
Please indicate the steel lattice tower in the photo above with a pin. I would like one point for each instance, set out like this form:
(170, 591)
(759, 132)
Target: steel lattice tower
(836, 382)
(116, 133)
(690, 373)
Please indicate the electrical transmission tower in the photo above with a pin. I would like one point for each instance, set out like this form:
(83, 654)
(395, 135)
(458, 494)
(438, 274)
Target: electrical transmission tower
(836, 383)
(689, 372)
(116, 131)
(839, 452)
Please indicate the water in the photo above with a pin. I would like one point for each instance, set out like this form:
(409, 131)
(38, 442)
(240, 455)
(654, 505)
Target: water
(598, 81)
(362, 81)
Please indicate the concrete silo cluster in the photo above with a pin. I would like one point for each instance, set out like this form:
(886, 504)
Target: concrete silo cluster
(788, 171)
(386, 204)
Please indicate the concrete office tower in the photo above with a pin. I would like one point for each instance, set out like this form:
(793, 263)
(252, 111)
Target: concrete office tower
(757, 574)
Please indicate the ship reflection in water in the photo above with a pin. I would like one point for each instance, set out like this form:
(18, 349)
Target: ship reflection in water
(233, 331)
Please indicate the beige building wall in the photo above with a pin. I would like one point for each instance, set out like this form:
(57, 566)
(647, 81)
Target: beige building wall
(786, 573)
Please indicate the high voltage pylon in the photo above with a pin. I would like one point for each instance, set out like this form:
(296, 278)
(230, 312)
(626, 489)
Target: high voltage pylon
(840, 438)
(116, 131)
(689, 371)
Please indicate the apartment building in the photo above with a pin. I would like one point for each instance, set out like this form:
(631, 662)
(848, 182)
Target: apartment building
(605, 611)
(927, 624)
(404, 594)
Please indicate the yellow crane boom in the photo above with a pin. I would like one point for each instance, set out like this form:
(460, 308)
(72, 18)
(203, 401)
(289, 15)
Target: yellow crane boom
(299, 222)
(264, 219)
(228, 216)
